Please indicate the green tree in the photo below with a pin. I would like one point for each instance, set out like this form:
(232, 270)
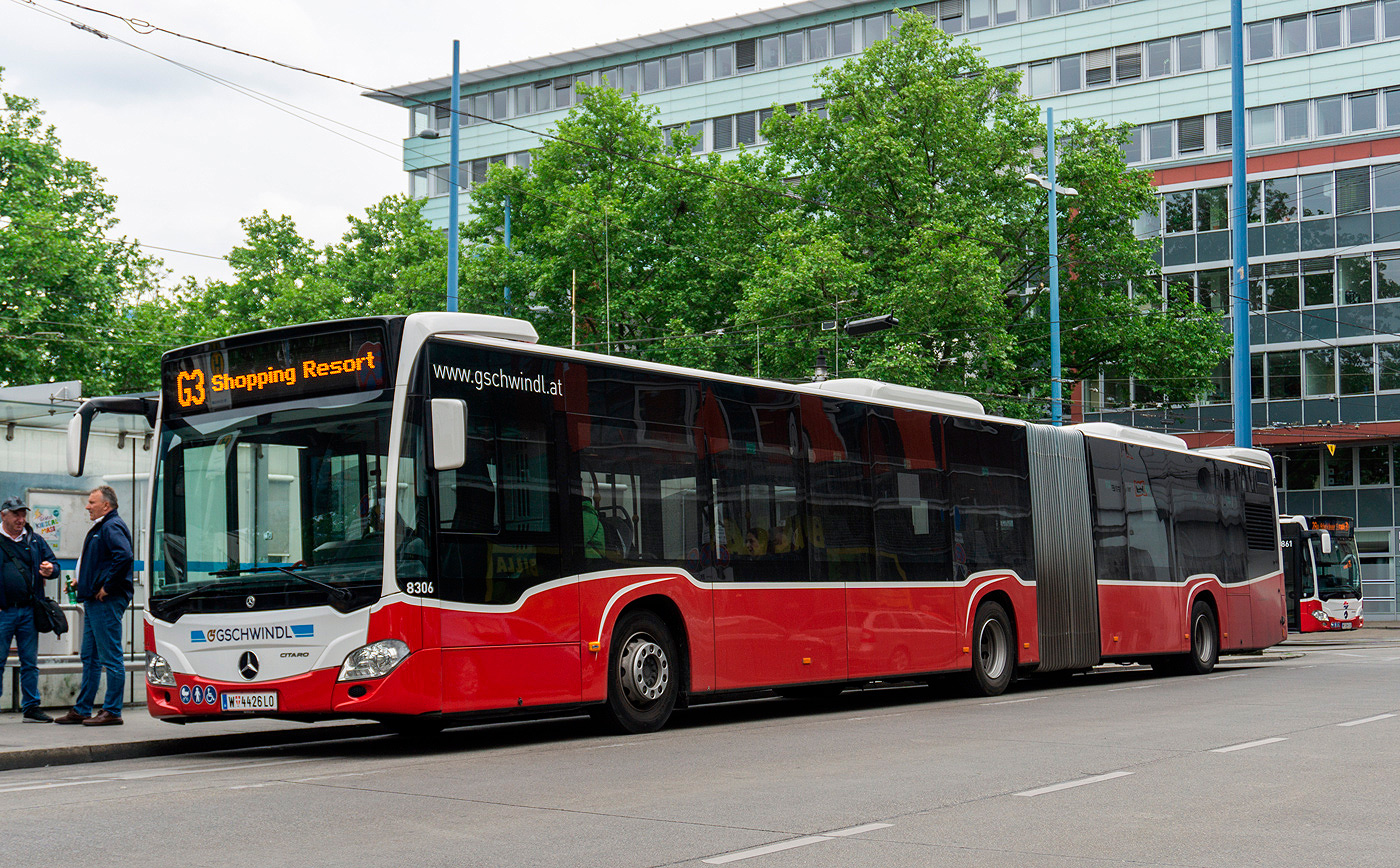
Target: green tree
(917, 168)
(389, 261)
(63, 281)
(657, 241)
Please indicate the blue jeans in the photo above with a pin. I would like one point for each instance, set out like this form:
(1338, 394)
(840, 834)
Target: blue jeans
(18, 624)
(102, 652)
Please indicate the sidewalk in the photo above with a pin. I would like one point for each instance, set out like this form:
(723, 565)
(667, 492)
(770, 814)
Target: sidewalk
(32, 745)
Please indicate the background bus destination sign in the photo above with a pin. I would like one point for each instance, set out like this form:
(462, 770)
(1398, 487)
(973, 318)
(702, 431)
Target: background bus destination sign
(231, 376)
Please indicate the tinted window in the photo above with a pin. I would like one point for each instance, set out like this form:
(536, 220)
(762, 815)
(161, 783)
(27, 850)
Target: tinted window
(912, 512)
(839, 529)
(990, 495)
(497, 516)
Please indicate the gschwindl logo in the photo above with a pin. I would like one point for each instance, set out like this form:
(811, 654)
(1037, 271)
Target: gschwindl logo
(253, 634)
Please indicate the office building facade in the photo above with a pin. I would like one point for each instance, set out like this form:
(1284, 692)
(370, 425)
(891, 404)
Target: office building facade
(1322, 128)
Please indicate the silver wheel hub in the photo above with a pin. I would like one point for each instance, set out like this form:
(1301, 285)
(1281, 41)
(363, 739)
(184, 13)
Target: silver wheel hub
(644, 669)
(992, 649)
(1204, 639)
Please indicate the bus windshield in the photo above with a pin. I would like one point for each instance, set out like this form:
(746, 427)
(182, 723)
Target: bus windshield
(271, 510)
(1339, 572)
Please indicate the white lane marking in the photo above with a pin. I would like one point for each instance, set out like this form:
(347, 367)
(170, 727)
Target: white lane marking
(1067, 785)
(793, 844)
(1366, 720)
(1134, 687)
(1014, 701)
(1235, 675)
(1249, 744)
(49, 786)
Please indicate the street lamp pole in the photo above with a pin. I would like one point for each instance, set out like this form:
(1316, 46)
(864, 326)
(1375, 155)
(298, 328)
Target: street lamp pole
(453, 177)
(1048, 182)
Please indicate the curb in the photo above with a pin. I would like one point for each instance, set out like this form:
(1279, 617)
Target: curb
(76, 754)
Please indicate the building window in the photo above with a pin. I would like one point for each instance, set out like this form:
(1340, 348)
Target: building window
(631, 78)
(1293, 35)
(1223, 45)
(724, 61)
(1387, 186)
(1388, 367)
(1355, 378)
(1070, 73)
(674, 76)
(1098, 68)
(1354, 190)
(1006, 11)
(1188, 53)
(1354, 279)
(1281, 200)
(1295, 120)
(1363, 111)
(1284, 381)
(1042, 79)
(1129, 61)
(1281, 285)
(768, 53)
(817, 43)
(745, 55)
(1329, 116)
(695, 67)
(1361, 23)
(1373, 462)
(979, 14)
(1212, 209)
(1315, 194)
(1337, 469)
(1321, 371)
(1327, 29)
(1159, 141)
(1179, 206)
(1132, 148)
(842, 38)
(651, 75)
(1259, 39)
(1261, 126)
(1318, 283)
(1388, 275)
(1159, 58)
(724, 133)
(1191, 134)
(874, 29)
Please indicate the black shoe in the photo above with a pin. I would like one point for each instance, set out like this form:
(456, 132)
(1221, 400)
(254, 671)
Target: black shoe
(34, 715)
(104, 718)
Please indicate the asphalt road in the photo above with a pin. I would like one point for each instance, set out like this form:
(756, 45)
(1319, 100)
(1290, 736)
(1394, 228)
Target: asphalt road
(1277, 762)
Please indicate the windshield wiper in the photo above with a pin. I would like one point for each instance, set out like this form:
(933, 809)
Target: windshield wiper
(338, 595)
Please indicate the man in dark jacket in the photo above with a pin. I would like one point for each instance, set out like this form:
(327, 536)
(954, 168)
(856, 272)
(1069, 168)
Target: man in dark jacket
(26, 561)
(104, 587)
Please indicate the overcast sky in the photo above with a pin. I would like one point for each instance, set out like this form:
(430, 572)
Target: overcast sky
(188, 157)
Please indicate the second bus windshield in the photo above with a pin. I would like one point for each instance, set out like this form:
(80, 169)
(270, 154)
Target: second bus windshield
(1338, 572)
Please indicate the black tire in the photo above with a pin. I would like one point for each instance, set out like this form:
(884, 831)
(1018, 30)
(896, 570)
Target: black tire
(644, 673)
(1205, 645)
(993, 650)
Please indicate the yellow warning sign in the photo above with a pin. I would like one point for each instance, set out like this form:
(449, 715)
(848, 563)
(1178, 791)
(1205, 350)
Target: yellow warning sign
(1331, 448)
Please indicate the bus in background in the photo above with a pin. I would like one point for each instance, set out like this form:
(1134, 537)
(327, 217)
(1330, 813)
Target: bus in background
(1322, 572)
(432, 518)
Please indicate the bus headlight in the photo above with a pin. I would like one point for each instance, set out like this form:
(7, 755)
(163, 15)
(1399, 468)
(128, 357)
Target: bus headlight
(1319, 615)
(158, 671)
(374, 660)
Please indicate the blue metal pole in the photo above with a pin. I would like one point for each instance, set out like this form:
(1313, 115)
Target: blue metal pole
(507, 250)
(1239, 228)
(453, 176)
(1055, 393)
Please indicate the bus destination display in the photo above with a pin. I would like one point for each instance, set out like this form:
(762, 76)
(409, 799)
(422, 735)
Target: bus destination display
(300, 367)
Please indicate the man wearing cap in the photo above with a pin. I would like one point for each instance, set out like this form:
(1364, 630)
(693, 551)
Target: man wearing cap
(105, 589)
(26, 561)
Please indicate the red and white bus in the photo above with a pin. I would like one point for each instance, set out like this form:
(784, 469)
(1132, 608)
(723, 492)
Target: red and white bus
(426, 518)
(1321, 572)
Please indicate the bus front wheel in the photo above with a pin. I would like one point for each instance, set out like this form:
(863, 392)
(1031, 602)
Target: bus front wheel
(643, 673)
(993, 650)
(1205, 646)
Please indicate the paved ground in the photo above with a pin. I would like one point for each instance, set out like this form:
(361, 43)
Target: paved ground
(1276, 760)
(28, 745)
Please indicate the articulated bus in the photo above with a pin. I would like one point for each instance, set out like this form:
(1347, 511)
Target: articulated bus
(1321, 572)
(431, 518)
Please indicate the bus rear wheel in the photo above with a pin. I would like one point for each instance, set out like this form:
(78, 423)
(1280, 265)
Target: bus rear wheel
(643, 673)
(1205, 645)
(993, 650)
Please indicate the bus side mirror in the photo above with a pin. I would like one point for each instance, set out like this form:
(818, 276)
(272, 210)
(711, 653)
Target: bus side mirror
(78, 429)
(449, 421)
(1326, 543)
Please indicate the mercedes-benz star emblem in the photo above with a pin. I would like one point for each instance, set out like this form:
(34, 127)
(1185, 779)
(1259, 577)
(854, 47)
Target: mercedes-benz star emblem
(249, 601)
(248, 665)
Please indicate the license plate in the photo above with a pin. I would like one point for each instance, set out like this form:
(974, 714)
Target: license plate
(250, 701)
(1347, 625)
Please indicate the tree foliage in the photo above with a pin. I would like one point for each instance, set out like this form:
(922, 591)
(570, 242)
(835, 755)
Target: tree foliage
(64, 283)
(905, 196)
